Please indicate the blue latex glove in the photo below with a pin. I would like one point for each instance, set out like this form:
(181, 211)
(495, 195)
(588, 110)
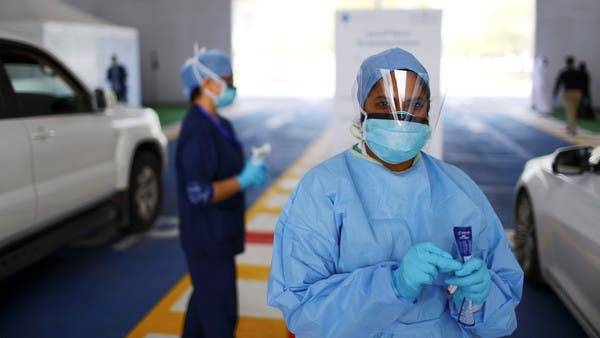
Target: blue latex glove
(473, 281)
(254, 174)
(419, 267)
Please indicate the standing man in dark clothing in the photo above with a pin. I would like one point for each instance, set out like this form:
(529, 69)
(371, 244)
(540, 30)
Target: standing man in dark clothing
(585, 108)
(572, 82)
(117, 76)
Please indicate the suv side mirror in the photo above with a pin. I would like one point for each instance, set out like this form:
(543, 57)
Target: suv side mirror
(100, 99)
(595, 160)
(571, 160)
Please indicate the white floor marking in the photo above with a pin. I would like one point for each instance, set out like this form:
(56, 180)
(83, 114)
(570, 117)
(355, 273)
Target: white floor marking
(289, 183)
(126, 243)
(278, 120)
(298, 171)
(252, 298)
(475, 126)
(164, 233)
(310, 161)
(262, 222)
(256, 254)
(276, 201)
(160, 335)
(324, 152)
(181, 304)
(302, 167)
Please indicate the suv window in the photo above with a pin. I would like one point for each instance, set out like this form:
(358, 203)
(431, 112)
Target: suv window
(3, 113)
(40, 87)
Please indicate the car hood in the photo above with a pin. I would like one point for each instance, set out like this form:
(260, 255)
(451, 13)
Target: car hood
(124, 115)
(124, 110)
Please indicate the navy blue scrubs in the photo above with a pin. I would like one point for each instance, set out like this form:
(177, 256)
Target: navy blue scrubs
(211, 234)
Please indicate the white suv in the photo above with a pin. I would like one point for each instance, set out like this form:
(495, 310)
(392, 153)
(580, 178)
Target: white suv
(68, 163)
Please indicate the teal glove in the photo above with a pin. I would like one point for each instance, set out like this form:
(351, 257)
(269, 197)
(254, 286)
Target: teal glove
(474, 282)
(419, 267)
(254, 174)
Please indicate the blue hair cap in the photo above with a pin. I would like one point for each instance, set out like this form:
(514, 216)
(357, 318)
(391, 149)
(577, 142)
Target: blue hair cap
(392, 59)
(215, 60)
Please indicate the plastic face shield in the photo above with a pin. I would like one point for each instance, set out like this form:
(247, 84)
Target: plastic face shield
(392, 94)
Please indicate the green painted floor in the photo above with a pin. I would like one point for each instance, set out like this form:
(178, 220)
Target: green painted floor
(168, 114)
(591, 125)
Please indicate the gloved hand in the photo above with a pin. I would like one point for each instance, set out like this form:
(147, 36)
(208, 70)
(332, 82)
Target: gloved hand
(473, 281)
(420, 266)
(253, 174)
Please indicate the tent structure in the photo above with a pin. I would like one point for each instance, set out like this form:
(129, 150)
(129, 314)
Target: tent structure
(83, 42)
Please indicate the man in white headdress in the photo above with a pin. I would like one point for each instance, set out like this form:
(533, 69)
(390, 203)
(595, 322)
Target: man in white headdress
(540, 98)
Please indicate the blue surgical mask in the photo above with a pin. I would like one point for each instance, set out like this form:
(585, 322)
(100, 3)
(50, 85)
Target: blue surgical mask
(395, 141)
(226, 98)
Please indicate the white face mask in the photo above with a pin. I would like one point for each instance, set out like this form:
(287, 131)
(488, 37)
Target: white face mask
(214, 96)
(395, 141)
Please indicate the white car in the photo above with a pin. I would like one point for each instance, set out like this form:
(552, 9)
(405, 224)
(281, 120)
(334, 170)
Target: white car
(557, 237)
(68, 163)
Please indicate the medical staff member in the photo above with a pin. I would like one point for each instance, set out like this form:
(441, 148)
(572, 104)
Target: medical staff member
(365, 245)
(211, 178)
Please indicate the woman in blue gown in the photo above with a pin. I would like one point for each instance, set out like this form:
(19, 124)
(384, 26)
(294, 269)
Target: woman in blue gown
(365, 245)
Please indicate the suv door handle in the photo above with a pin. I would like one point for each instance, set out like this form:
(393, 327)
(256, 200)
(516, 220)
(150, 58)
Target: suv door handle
(42, 134)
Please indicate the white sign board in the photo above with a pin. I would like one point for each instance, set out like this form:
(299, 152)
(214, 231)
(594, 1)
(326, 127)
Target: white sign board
(360, 34)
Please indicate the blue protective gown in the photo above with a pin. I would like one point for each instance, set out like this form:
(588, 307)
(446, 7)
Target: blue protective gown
(350, 221)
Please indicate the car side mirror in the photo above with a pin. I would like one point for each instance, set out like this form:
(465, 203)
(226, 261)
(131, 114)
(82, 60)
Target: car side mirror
(594, 160)
(571, 160)
(104, 98)
(100, 98)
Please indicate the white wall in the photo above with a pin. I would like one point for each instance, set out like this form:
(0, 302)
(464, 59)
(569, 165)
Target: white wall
(30, 31)
(167, 31)
(86, 49)
(569, 27)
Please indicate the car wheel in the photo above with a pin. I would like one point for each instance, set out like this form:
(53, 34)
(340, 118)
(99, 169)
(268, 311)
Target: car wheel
(145, 191)
(525, 240)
